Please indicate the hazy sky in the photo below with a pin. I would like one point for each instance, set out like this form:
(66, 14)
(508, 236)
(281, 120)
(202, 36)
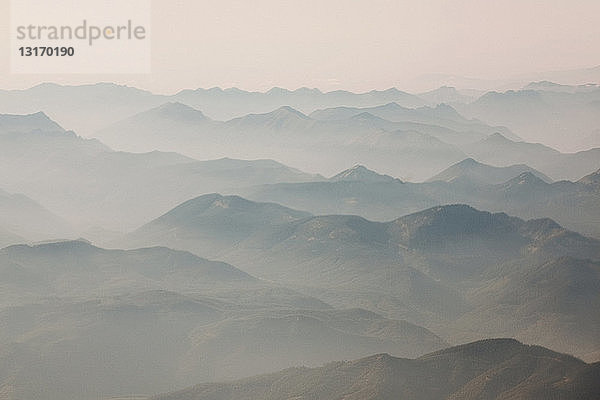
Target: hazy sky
(349, 44)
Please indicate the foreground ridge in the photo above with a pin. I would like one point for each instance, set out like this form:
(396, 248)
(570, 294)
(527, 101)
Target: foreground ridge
(486, 369)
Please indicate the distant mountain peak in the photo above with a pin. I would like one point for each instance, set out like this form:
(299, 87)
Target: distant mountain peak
(391, 90)
(543, 85)
(441, 215)
(443, 223)
(469, 162)
(40, 115)
(234, 90)
(212, 200)
(28, 122)
(470, 170)
(526, 178)
(289, 109)
(72, 245)
(445, 95)
(455, 209)
(44, 85)
(542, 225)
(483, 346)
(446, 88)
(225, 202)
(557, 87)
(461, 223)
(498, 137)
(278, 91)
(217, 203)
(306, 90)
(447, 111)
(591, 179)
(282, 114)
(392, 106)
(177, 110)
(174, 105)
(360, 173)
(366, 116)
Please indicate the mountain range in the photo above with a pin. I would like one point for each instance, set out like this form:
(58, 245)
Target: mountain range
(49, 160)
(495, 369)
(517, 189)
(472, 171)
(87, 108)
(82, 322)
(150, 242)
(391, 138)
(500, 151)
(287, 134)
(541, 111)
(544, 113)
(27, 218)
(89, 184)
(428, 267)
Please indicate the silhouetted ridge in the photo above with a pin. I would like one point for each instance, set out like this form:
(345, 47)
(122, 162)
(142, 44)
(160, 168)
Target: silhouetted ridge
(488, 369)
(525, 179)
(361, 173)
(39, 121)
(178, 111)
(497, 138)
(216, 203)
(287, 110)
(450, 223)
(591, 179)
(487, 348)
(472, 171)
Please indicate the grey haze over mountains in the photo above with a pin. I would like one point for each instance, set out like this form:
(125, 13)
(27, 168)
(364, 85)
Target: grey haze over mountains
(518, 189)
(545, 113)
(501, 151)
(26, 218)
(88, 108)
(432, 268)
(50, 159)
(391, 131)
(490, 369)
(81, 321)
(224, 234)
(540, 112)
(89, 183)
(413, 144)
(472, 171)
(287, 134)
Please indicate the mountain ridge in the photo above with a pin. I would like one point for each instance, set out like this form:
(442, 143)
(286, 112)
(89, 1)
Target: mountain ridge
(361, 173)
(476, 370)
(470, 170)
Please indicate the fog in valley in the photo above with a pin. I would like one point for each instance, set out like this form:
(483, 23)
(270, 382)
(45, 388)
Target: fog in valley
(170, 248)
(315, 213)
